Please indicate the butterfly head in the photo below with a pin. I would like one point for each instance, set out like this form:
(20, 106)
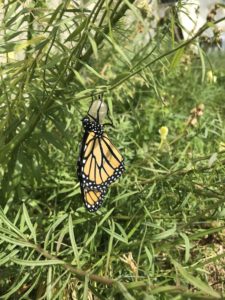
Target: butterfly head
(92, 126)
(86, 122)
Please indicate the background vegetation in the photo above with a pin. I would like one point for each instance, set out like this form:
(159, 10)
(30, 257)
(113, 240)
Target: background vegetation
(160, 232)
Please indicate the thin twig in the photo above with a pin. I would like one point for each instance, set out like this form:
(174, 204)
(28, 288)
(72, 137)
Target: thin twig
(80, 273)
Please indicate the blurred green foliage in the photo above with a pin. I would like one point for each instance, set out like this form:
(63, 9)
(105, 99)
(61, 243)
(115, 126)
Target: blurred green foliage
(160, 232)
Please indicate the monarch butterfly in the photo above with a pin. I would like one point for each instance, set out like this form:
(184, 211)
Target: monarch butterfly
(99, 163)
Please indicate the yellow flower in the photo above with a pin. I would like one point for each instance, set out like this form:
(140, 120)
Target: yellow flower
(211, 78)
(143, 4)
(163, 131)
(221, 147)
(164, 145)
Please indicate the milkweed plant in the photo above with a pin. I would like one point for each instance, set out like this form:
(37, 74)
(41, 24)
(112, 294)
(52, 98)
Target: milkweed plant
(160, 231)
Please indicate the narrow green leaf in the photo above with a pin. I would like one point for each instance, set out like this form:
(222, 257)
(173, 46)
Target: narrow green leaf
(73, 241)
(176, 58)
(93, 71)
(49, 284)
(94, 46)
(122, 231)
(8, 232)
(213, 158)
(92, 236)
(10, 22)
(106, 216)
(79, 78)
(187, 246)
(29, 224)
(115, 235)
(16, 241)
(196, 282)
(37, 263)
(9, 37)
(77, 31)
(110, 245)
(149, 255)
(54, 15)
(163, 289)
(6, 221)
(205, 232)
(58, 221)
(34, 41)
(134, 229)
(63, 232)
(165, 234)
(203, 69)
(6, 258)
(86, 281)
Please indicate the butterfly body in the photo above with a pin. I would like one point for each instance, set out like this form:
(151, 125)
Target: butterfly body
(99, 164)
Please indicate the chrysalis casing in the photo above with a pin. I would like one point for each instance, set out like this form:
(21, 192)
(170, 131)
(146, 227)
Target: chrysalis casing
(98, 110)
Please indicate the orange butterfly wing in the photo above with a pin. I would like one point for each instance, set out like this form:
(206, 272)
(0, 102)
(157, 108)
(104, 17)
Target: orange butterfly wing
(100, 163)
(92, 198)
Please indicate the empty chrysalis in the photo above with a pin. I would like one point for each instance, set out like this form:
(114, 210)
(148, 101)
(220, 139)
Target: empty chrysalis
(98, 110)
